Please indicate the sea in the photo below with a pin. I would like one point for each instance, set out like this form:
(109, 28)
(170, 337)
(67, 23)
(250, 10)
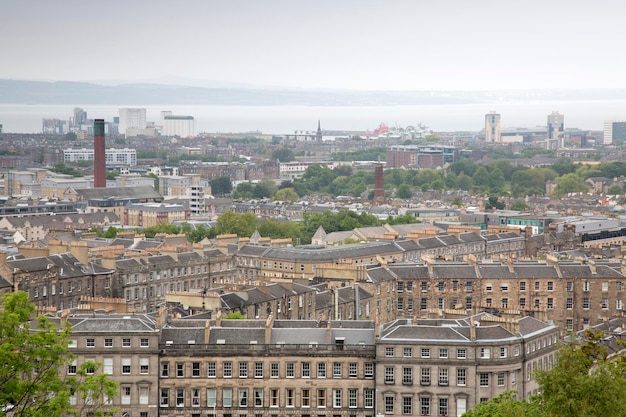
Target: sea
(285, 119)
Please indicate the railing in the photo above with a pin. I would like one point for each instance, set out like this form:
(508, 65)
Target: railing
(281, 349)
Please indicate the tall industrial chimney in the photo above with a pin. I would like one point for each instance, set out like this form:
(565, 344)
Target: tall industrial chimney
(379, 186)
(99, 160)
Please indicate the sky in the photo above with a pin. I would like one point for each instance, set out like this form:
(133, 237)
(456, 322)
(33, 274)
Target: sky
(338, 44)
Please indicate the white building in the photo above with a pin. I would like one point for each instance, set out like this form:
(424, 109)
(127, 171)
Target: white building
(181, 126)
(492, 127)
(113, 156)
(131, 118)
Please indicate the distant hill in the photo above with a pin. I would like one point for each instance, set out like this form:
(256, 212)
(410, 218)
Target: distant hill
(71, 93)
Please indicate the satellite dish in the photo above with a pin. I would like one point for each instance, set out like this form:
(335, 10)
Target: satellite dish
(185, 307)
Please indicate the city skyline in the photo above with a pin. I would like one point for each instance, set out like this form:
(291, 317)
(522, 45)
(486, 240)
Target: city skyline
(363, 45)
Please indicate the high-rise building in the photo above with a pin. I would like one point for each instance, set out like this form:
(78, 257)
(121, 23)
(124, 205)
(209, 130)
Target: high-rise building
(614, 132)
(80, 117)
(492, 127)
(131, 118)
(555, 128)
(181, 126)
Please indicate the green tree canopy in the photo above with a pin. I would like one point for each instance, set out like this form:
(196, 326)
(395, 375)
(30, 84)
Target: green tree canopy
(221, 186)
(32, 353)
(283, 155)
(286, 194)
(569, 183)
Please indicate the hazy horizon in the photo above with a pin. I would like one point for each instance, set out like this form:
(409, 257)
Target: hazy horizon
(350, 44)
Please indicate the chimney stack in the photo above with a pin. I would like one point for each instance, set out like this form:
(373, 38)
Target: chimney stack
(99, 162)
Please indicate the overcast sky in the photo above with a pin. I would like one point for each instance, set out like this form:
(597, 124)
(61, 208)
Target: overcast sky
(352, 44)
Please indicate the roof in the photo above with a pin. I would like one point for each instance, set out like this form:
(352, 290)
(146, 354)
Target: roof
(139, 192)
(319, 253)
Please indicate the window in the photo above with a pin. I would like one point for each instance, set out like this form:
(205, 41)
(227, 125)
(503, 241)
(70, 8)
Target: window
(389, 404)
(290, 397)
(368, 370)
(243, 397)
(306, 397)
(407, 405)
(503, 352)
(290, 370)
(569, 303)
(274, 369)
(513, 377)
(90, 342)
(461, 353)
(550, 286)
(243, 369)
(337, 398)
(126, 342)
(144, 343)
(468, 303)
(274, 396)
(469, 286)
(443, 353)
(72, 367)
(125, 366)
(536, 285)
(425, 376)
(586, 286)
(484, 379)
(195, 369)
(125, 398)
(461, 377)
(586, 303)
(164, 397)
(425, 406)
(550, 302)
(321, 398)
(227, 397)
(569, 286)
(522, 301)
(425, 353)
(211, 369)
(306, 370)
(443, 406)
(485, 353)
(108, 342)
(144, 366)
(165, 369)
(389, 375)
(107, 366)
(407, 375)
(605, 286)
(180, 369)
(605, 303)
(368, 398)
(180, 397)
(500, 379)
(321, 370)
(489, 286)
(618, 304)
(407, 352)
(388, 351)
(443, 376)
(227, 369)
(336, 369)
(211, 398)
(258, 369)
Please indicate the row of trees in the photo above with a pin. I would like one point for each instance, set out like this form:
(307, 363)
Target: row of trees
(244, 225)
(586, 382)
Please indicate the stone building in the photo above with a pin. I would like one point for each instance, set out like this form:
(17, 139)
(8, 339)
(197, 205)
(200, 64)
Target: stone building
(443, 367)
(126, 346)
(226, 368)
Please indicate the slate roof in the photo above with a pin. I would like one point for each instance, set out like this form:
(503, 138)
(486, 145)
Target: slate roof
(67, 265)
(113, 324)
(330, 254)
(451, 270)
(410, 271)
(139, 192)
(378, 274)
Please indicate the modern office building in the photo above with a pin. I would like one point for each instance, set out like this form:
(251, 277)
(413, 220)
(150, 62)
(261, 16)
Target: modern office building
(432, 156)
(131, 118)
(492, 127)
(614, 132)
(113, 156)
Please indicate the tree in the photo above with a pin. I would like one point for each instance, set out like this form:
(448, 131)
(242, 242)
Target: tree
(243, 191)
(221, 186)
(481, 178)
(519, 206)
(505, 405)
(404, 191)
(569, 183)
(235, 315)
(241, 224)
(615, 190)
(286, 194)
(283, 155)
(32, 353)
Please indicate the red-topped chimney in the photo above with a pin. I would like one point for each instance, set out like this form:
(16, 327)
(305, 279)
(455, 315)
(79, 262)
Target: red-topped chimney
(99, 160)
